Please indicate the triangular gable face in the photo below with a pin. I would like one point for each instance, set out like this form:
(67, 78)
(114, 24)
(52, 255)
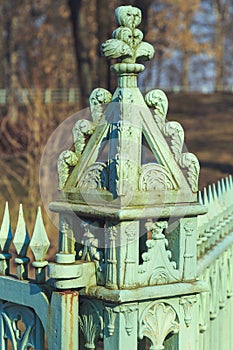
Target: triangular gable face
(150, 151)
(112, 164)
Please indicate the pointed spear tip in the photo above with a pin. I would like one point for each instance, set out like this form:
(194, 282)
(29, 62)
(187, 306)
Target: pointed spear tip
(6, 231)
(214, 191)
(6, 218)
(210, 193)
(39, 243)
(223, 185)
(199, 197)
(231, 181)
(220, 189)
(6, 210)
(39, 218)
(21, 237)
(20, 209)
(205, 197)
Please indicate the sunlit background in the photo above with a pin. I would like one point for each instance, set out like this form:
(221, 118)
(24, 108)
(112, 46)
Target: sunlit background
(50, 62)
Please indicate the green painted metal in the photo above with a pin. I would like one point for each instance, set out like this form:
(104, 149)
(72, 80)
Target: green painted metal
(144, 261)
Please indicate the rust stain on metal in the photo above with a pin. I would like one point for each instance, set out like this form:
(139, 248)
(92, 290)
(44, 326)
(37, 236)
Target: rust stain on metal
(70, 299)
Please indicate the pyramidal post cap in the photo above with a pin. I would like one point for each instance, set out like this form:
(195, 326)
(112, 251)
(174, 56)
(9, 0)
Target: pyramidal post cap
(129, 161)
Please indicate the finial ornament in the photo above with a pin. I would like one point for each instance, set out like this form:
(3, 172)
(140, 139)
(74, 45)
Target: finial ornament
(126, 42)
(121, 124)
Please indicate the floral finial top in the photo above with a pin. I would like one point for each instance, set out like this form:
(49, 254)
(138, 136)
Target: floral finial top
(126, 42)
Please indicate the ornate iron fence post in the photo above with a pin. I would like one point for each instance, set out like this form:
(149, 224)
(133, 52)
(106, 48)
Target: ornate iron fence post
(135, 190)
(134, 253)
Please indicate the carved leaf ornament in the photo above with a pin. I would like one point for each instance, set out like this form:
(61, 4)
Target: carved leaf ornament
(157, 321)
(83, 128)
(98, 98)
(157, 267)
(11, 314)
(174, 132)
(126, 42)
(91, 323)
(155, 177)
(95, 176)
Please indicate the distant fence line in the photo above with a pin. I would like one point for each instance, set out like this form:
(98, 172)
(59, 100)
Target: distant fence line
(72, 95)
(198, 89)
(47, 96)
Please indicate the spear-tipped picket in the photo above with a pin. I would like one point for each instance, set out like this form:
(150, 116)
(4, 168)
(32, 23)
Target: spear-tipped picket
(223, 188)
(229, 191)
(231, 196)
(219, 189)
(228, 204)
(212, 204)
(199, 197)
(231, 181)
(215, 207)
(21, 242)
(208, 201)
(227, 184)
(230, 201)
(216, 201)
(202, 223)
(219, 226)
(205, 197)
(5, 242)
(39, 245)
(6, 232)
(214, 190)
(210, 194)
(207, 233)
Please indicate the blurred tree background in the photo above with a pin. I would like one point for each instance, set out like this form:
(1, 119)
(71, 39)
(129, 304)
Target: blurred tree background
(55, 44)
(47, 45)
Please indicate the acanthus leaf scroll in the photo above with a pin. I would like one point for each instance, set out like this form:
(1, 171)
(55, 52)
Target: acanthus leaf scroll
(174, 132)
(81, 131)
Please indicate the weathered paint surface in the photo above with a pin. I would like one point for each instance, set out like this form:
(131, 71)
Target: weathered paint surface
(149, 263)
